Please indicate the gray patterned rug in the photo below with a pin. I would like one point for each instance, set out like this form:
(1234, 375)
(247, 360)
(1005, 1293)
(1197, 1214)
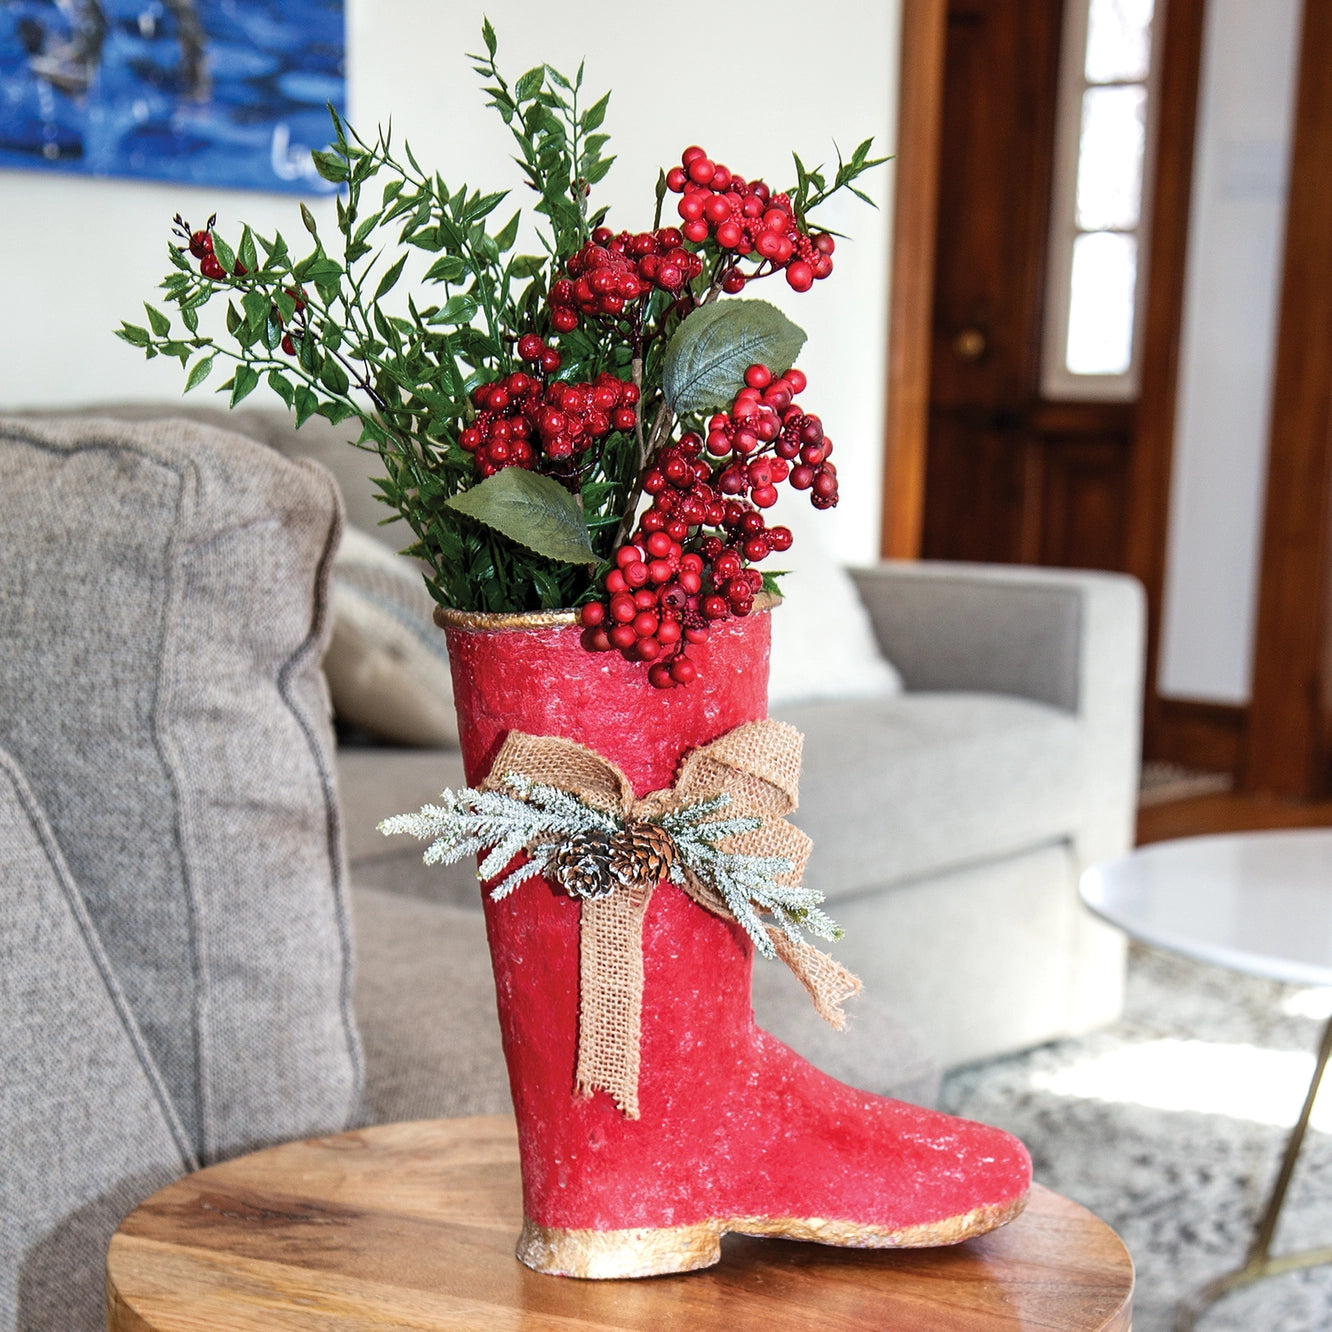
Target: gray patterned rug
(1170, 1126)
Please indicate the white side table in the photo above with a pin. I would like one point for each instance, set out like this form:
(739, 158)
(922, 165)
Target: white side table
(1259, 903)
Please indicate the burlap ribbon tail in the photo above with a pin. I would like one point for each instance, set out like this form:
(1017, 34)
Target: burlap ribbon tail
(758, 766)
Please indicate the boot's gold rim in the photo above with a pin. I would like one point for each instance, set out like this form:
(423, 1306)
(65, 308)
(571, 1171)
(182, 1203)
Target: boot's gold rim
(489, 621)
(654, 1251)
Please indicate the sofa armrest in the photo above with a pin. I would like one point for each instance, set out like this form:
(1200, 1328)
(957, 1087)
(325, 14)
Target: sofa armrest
(1074, 640)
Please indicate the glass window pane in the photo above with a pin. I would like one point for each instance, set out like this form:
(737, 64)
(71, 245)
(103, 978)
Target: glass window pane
(1119, 40)
(1100, 316)
(1110, 158)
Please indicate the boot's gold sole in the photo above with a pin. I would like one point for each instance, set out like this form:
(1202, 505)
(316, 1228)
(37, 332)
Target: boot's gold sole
(657, 1250)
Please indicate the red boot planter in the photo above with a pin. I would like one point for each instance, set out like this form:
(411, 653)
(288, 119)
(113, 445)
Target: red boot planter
(653, 1115)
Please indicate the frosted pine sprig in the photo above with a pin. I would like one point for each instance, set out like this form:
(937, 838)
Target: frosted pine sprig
(536, 819)
(529, 816)
(748, 884)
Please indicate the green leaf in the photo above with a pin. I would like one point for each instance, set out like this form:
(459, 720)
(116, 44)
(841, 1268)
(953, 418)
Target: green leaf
(336, 411)
(504, 239)
(448, 269)
(488, 36)
(306, 404)
(247, 377)
(246, 254)
(332, 166)
(226, 256)
(199, 372)
(133, 334)
(160, 323)
(706, 359)
(310, 224)
(256, 307)
(526, 265)
(389, 278)
(532, 510)
(334, 377)
(456, 310)
(596, 113)
(281, 385)
(530, 84)
(190, 317)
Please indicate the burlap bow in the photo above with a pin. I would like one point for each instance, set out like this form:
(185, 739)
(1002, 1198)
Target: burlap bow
(758, 766)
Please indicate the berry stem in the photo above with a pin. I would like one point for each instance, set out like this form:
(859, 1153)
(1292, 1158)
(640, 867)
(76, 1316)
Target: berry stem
(661, 427)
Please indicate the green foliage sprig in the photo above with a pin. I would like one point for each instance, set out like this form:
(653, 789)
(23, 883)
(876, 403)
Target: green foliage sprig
(422, 299)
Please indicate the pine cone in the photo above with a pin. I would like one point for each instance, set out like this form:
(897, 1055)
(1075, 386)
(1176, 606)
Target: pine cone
(642, 855)
(582, 865)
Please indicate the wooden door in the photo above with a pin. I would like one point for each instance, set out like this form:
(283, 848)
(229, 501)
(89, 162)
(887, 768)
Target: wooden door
(1008, 478)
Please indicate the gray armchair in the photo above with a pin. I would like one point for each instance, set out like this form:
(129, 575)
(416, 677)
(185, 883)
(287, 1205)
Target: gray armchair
(951, 823)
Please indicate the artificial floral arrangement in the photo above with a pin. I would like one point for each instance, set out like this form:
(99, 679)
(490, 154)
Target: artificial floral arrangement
(604, 428)
(523, 405)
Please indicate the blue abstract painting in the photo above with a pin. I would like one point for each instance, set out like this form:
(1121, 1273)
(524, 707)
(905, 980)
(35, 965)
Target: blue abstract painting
(211, 92)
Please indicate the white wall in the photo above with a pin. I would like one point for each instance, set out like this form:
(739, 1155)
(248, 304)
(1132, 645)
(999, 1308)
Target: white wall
(80, 255)
(1236, 234)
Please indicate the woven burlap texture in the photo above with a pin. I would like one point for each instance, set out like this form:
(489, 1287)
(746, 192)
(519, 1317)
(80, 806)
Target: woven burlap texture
(758, 766)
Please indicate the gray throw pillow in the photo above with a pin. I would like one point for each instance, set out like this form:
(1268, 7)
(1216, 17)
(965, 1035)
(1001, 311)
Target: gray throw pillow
(87, 1130)
(163, 608)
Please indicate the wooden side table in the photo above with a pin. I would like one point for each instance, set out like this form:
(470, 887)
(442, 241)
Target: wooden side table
(412, 1226)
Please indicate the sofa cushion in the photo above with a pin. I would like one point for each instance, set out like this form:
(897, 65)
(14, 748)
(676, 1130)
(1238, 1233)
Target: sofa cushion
(895, 788)
(386, 665)
(163, 608)
(87, 1129)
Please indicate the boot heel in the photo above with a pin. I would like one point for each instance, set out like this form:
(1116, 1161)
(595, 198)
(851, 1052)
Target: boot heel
(607, 1254)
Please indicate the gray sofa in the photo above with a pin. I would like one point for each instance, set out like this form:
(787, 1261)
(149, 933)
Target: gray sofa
(186, 857)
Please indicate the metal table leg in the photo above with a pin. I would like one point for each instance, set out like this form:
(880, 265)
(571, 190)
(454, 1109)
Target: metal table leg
(1259, 1263)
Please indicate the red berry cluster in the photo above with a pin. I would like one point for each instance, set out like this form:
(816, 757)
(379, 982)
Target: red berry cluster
(687, 566)
(200, 245)
(612, 271)
(746, 217)
(765, 439)
(522, 414)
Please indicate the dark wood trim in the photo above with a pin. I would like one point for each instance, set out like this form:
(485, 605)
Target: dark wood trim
(1153, 440)
(1208, 736)
(1289, 749)
(915, 210)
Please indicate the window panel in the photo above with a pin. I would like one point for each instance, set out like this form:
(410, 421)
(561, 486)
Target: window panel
(1109, 191)
(1100, 315)
(1119, 41)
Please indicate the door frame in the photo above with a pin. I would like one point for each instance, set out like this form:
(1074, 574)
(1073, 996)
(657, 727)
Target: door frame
(1282, 741)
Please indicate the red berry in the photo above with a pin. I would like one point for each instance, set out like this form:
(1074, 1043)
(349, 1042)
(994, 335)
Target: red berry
(593, 614)
(659, 677)
(683, 671)
(622, 636)
(530, 347)
(622, 608)
(210, 268)
(799, 276)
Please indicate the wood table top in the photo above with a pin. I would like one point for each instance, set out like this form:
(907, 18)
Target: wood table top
(412, 1226)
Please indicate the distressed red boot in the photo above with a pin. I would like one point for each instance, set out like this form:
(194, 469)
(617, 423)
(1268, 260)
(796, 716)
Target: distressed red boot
(735, 1132)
